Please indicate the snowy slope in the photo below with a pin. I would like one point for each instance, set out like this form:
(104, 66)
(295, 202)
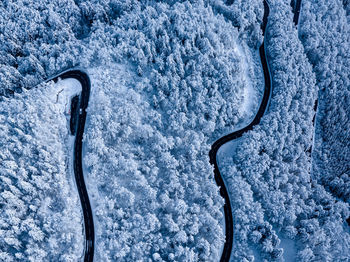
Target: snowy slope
(170, 78)
(40, 215)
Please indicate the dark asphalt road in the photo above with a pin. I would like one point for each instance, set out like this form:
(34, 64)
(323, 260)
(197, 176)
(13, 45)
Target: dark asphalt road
(215, 147)
(84, 80)
(296, 4)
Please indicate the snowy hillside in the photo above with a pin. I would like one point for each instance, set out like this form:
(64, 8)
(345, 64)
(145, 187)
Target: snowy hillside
(168, 79)
(268, 172)
(40, 217)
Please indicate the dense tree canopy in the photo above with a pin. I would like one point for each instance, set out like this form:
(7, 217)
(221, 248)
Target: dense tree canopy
(169, 78)
(274, 158)
(326, 42)
(40, 217)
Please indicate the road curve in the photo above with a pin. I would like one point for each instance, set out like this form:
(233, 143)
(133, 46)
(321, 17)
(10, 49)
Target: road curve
(225, 257)
(84, 80)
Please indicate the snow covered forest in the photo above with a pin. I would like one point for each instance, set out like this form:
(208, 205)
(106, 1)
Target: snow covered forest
(274, 163)
(39, 206)
(331, 61)
(168, 79)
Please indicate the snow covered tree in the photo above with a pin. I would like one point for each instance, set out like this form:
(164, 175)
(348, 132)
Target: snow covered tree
(326, 43)
(39, 219)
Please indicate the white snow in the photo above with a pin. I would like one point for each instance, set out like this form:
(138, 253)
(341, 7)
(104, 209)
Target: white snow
(36, 137)
(227, 150)
(256, 254)
(249, 91)
(65, 90)
(91, 185)
(289, 248)
(252, 94)
(252, 76)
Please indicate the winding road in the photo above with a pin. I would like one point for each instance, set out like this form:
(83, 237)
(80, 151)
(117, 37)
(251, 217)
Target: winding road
(217, 144)
(80, 118)
(84, 80)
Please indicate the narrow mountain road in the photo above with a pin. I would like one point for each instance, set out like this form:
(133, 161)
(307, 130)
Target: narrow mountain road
(80, 118)
(215, 147)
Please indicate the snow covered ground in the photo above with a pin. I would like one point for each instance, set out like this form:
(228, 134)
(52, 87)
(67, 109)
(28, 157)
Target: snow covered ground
(40, 216)
(148, 137)
(65, 90)
(268, 172)
(170, 78)
(252, 76)
(128, 159)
